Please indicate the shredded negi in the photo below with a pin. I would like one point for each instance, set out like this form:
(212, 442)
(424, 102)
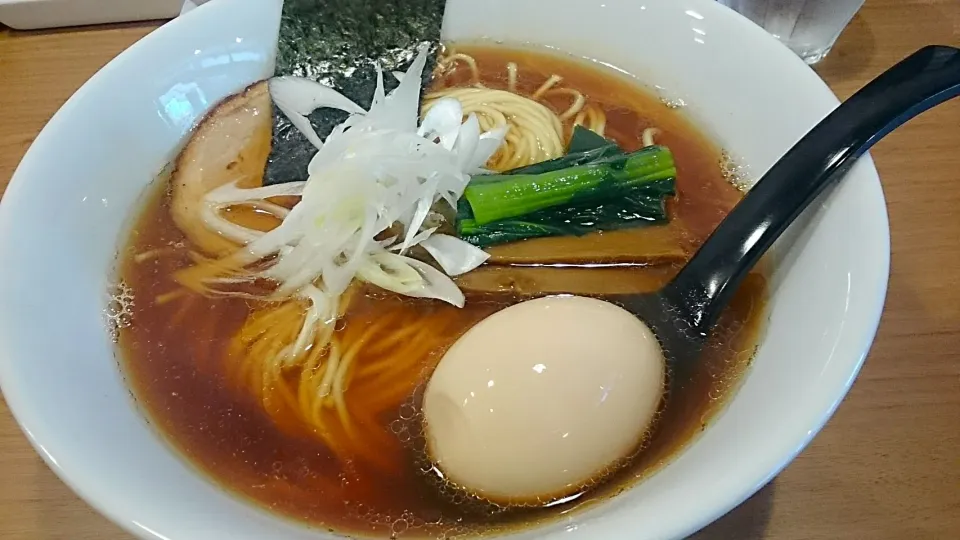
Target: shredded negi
(379, 173)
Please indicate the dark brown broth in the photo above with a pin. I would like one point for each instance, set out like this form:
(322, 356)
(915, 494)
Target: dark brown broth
(170, 352)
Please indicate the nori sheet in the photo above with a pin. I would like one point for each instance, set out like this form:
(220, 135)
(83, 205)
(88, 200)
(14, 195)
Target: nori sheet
(339, 43)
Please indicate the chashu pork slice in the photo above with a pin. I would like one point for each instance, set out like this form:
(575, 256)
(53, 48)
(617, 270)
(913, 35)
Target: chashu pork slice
(231, 144)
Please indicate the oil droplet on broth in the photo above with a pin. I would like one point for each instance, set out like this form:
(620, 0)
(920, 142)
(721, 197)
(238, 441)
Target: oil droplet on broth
(119, 309)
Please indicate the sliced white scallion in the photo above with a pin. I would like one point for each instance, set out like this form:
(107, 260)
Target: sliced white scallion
(377, 170)
(454, 255)
(297, 97)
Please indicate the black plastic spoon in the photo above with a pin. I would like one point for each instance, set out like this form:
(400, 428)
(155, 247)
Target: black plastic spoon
(683, 313)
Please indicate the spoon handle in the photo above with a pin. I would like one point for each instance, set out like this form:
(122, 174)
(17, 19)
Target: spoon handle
(925, 79)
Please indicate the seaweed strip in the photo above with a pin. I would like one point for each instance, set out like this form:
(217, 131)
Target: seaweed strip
(339, 43)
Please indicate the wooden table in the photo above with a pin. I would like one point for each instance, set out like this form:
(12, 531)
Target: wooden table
(886, 467)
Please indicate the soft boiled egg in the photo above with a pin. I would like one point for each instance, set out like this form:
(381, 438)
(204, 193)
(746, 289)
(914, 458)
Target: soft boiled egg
(541, 398)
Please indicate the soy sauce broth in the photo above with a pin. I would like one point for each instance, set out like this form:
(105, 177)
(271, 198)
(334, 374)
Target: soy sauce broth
(171, 353)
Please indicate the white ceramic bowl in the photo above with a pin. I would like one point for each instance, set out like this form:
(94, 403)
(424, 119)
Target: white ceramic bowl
(67, 206)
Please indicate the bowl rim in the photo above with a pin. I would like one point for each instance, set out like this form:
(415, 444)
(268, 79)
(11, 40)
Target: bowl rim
(18, 402)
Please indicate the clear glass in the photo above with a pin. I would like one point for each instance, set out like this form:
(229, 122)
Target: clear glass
(809, 27)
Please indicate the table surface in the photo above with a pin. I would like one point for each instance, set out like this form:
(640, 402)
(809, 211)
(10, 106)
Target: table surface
(886, 467)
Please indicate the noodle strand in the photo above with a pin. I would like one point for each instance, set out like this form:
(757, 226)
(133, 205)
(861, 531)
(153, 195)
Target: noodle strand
(535, 132)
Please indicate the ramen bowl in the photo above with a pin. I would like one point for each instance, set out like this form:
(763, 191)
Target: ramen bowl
(69, 203)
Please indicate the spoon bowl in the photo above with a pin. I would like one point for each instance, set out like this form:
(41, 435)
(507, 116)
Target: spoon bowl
(683, 313)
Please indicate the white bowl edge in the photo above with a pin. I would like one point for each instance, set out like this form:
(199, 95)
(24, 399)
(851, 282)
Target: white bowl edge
(857, 205)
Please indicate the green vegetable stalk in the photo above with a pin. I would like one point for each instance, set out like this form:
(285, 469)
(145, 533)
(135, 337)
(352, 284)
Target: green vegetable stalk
(640, 206)
(500, 197)
(594, 187)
